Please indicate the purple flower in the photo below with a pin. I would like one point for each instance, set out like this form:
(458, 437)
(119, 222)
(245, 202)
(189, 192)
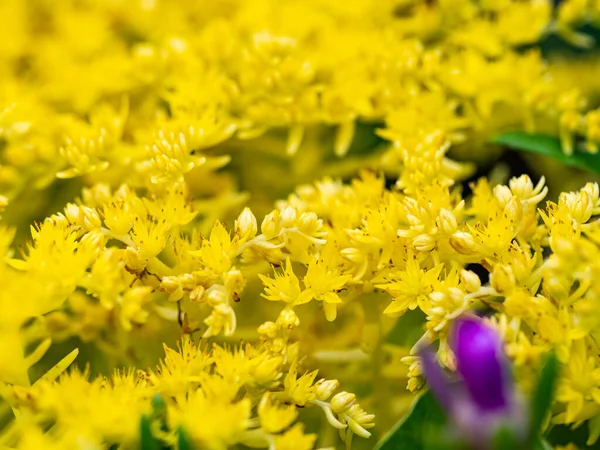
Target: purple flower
(484, 397)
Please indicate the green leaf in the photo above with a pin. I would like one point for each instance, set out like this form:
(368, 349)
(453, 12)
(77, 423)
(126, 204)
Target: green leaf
(505, 440)
(183, 441)
(147, 439)
(409, 327)
(546, 145)
(422, 429)
(562, 435)
(543, 394)
(159, 411)
(543, 444)
(158, 405)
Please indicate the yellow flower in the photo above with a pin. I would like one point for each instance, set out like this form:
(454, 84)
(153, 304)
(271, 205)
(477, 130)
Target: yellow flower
(275, 418)
(323, 283)
(299, 390)
(173, 206)
(109, 408)
(149, 237)
(180, 369)
(580, 385)
(295, 439)
(213, 423)
(134, 135)
(410, 287)
(217, 251)
(284, 287)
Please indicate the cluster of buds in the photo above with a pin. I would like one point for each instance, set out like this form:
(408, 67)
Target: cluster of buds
(342, 411)
(295, 230)
(275, 336)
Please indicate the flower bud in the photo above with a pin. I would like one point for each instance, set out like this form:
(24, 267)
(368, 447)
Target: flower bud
(271, 225)
(581, 207)
(97, 195)
(84, 216)
(447, 222)
(463, 243)
(324, 388)
(216, 295)
(342, 401)
(245, 226)
(288, 217)
(172, 285)
(481, 366)
(91, 218)
(309, 222)
(556, 288)
(234, 283)
(277, 345)
(593, 191)
(415, 384)
(521, 186)
(353, 254)
(503, 194)
(288, 318)
(92, 241)
(502, 279)
(424, 243)
(470, 280)
(221, 318)
(360, 421)
(268, 330)
(197, 294)
(446, 356)
(486, 398)
(514, 209)
(72, 212)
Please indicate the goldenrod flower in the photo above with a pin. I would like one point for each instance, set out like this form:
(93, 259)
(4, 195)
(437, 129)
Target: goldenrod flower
(165, 166)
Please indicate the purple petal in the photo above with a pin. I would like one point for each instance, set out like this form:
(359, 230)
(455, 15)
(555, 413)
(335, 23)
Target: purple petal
(437, 381)
(479, 428)
(481, 363)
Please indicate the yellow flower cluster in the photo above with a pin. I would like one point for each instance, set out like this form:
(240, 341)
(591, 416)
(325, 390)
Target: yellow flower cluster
(217, 397)
(145, 143)
(150, 88)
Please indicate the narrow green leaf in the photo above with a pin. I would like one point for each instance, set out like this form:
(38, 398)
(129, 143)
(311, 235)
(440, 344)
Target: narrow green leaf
(543, 394)
(183, 441)
(147, 439)
(422, 429)
(546, 145)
